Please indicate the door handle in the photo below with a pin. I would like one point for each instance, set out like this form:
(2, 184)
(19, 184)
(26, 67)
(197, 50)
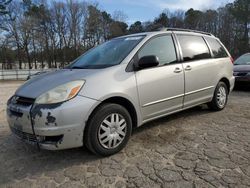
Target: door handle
(188, 68)
(177, 70)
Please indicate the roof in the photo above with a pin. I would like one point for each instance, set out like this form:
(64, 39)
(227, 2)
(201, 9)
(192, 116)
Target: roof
(169, 30)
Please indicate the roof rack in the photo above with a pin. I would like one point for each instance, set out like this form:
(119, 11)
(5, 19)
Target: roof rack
(186, 30)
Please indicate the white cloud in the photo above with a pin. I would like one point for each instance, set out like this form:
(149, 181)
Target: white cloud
(185, 4)
(175, 4)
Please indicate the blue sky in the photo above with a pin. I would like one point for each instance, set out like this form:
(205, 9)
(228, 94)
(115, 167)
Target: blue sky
(145, 10)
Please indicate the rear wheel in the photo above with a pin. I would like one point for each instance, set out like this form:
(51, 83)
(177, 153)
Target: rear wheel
(220, 97)
(108, 129)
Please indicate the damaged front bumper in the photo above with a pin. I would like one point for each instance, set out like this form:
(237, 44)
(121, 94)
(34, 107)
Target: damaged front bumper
(56, 126)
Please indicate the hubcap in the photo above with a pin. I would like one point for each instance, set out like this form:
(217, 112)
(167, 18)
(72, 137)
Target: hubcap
(112, 131)
(221, 97)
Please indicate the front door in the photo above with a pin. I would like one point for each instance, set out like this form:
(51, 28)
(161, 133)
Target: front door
(161, 88)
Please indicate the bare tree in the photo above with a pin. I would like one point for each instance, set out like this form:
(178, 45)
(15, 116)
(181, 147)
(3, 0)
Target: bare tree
(60, 16)
(119, 16)
(93, 31)
(11, 25)
(25, 33)
(54, 33)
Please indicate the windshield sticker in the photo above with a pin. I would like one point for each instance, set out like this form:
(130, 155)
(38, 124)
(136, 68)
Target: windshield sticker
(133, 38)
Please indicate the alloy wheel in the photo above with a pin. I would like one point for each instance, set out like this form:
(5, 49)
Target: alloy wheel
(221, 97)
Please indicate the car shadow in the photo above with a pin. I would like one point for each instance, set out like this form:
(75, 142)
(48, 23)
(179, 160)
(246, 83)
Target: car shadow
(242, 87)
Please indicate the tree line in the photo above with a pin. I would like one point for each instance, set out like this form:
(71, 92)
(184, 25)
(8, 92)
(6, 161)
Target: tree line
(51, 34)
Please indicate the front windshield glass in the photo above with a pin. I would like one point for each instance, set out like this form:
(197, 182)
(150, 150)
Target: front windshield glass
(107, 54)
(243, 60)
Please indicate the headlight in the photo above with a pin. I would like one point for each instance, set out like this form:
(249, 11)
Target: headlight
(61, 93)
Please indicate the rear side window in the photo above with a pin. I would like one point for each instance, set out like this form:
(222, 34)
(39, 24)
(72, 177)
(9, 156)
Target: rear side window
(217, 49)
(193, 47)
(162, 47)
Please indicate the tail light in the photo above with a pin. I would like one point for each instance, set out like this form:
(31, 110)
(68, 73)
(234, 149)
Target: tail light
(232, 60)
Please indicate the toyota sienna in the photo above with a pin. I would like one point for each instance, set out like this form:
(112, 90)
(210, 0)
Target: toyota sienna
(119, 85)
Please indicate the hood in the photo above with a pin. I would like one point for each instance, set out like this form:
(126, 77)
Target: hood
(43, 83)
(241, 68)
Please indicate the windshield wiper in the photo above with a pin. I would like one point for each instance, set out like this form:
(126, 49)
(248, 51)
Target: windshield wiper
(97, 66)
(77, 67)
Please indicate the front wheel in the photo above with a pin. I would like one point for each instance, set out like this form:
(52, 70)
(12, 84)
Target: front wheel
(220, 97)
(108, 129)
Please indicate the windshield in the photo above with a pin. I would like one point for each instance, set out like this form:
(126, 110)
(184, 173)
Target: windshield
(243, 60)
(107, 54)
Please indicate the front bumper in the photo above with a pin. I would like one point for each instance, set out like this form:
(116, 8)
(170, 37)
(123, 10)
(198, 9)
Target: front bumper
(57, 126)
(242, 79)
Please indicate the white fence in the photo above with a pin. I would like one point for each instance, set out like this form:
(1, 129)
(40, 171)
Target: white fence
(17, 74)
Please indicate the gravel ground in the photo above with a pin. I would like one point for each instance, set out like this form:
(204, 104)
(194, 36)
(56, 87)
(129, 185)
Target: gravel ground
(194, 148)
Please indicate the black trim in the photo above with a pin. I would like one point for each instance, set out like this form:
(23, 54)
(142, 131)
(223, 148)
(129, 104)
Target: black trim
(209, 47)
(178, 47)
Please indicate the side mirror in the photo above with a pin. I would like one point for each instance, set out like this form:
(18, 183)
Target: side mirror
(147, 62)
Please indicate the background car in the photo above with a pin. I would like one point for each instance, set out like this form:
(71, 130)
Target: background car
(242, 70)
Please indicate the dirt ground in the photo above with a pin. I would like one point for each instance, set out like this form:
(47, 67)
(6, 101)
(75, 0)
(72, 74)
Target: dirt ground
(194, 148)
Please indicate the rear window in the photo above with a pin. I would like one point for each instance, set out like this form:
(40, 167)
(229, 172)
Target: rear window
(193, 47)
(217, 49)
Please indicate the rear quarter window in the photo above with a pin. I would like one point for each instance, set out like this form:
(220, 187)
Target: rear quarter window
(193, 47)
(217, 49)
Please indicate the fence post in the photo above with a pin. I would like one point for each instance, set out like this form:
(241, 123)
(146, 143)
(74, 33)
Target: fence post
(16, 74)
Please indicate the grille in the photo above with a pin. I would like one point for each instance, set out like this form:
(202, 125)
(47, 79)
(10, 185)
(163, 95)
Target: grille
(24, 101)
(242, 74)
(23, 135)
(17, 114)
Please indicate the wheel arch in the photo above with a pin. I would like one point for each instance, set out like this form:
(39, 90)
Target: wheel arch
(127, 104)
(226, 81)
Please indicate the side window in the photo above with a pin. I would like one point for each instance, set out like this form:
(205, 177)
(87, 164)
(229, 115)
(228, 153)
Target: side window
(217, 49)
(193, 47)
(162, 47)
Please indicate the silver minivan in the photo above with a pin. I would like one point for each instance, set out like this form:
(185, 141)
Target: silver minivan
(120, 85)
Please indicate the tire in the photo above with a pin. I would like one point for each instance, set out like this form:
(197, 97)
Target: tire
(108, 129)
(220, 97)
